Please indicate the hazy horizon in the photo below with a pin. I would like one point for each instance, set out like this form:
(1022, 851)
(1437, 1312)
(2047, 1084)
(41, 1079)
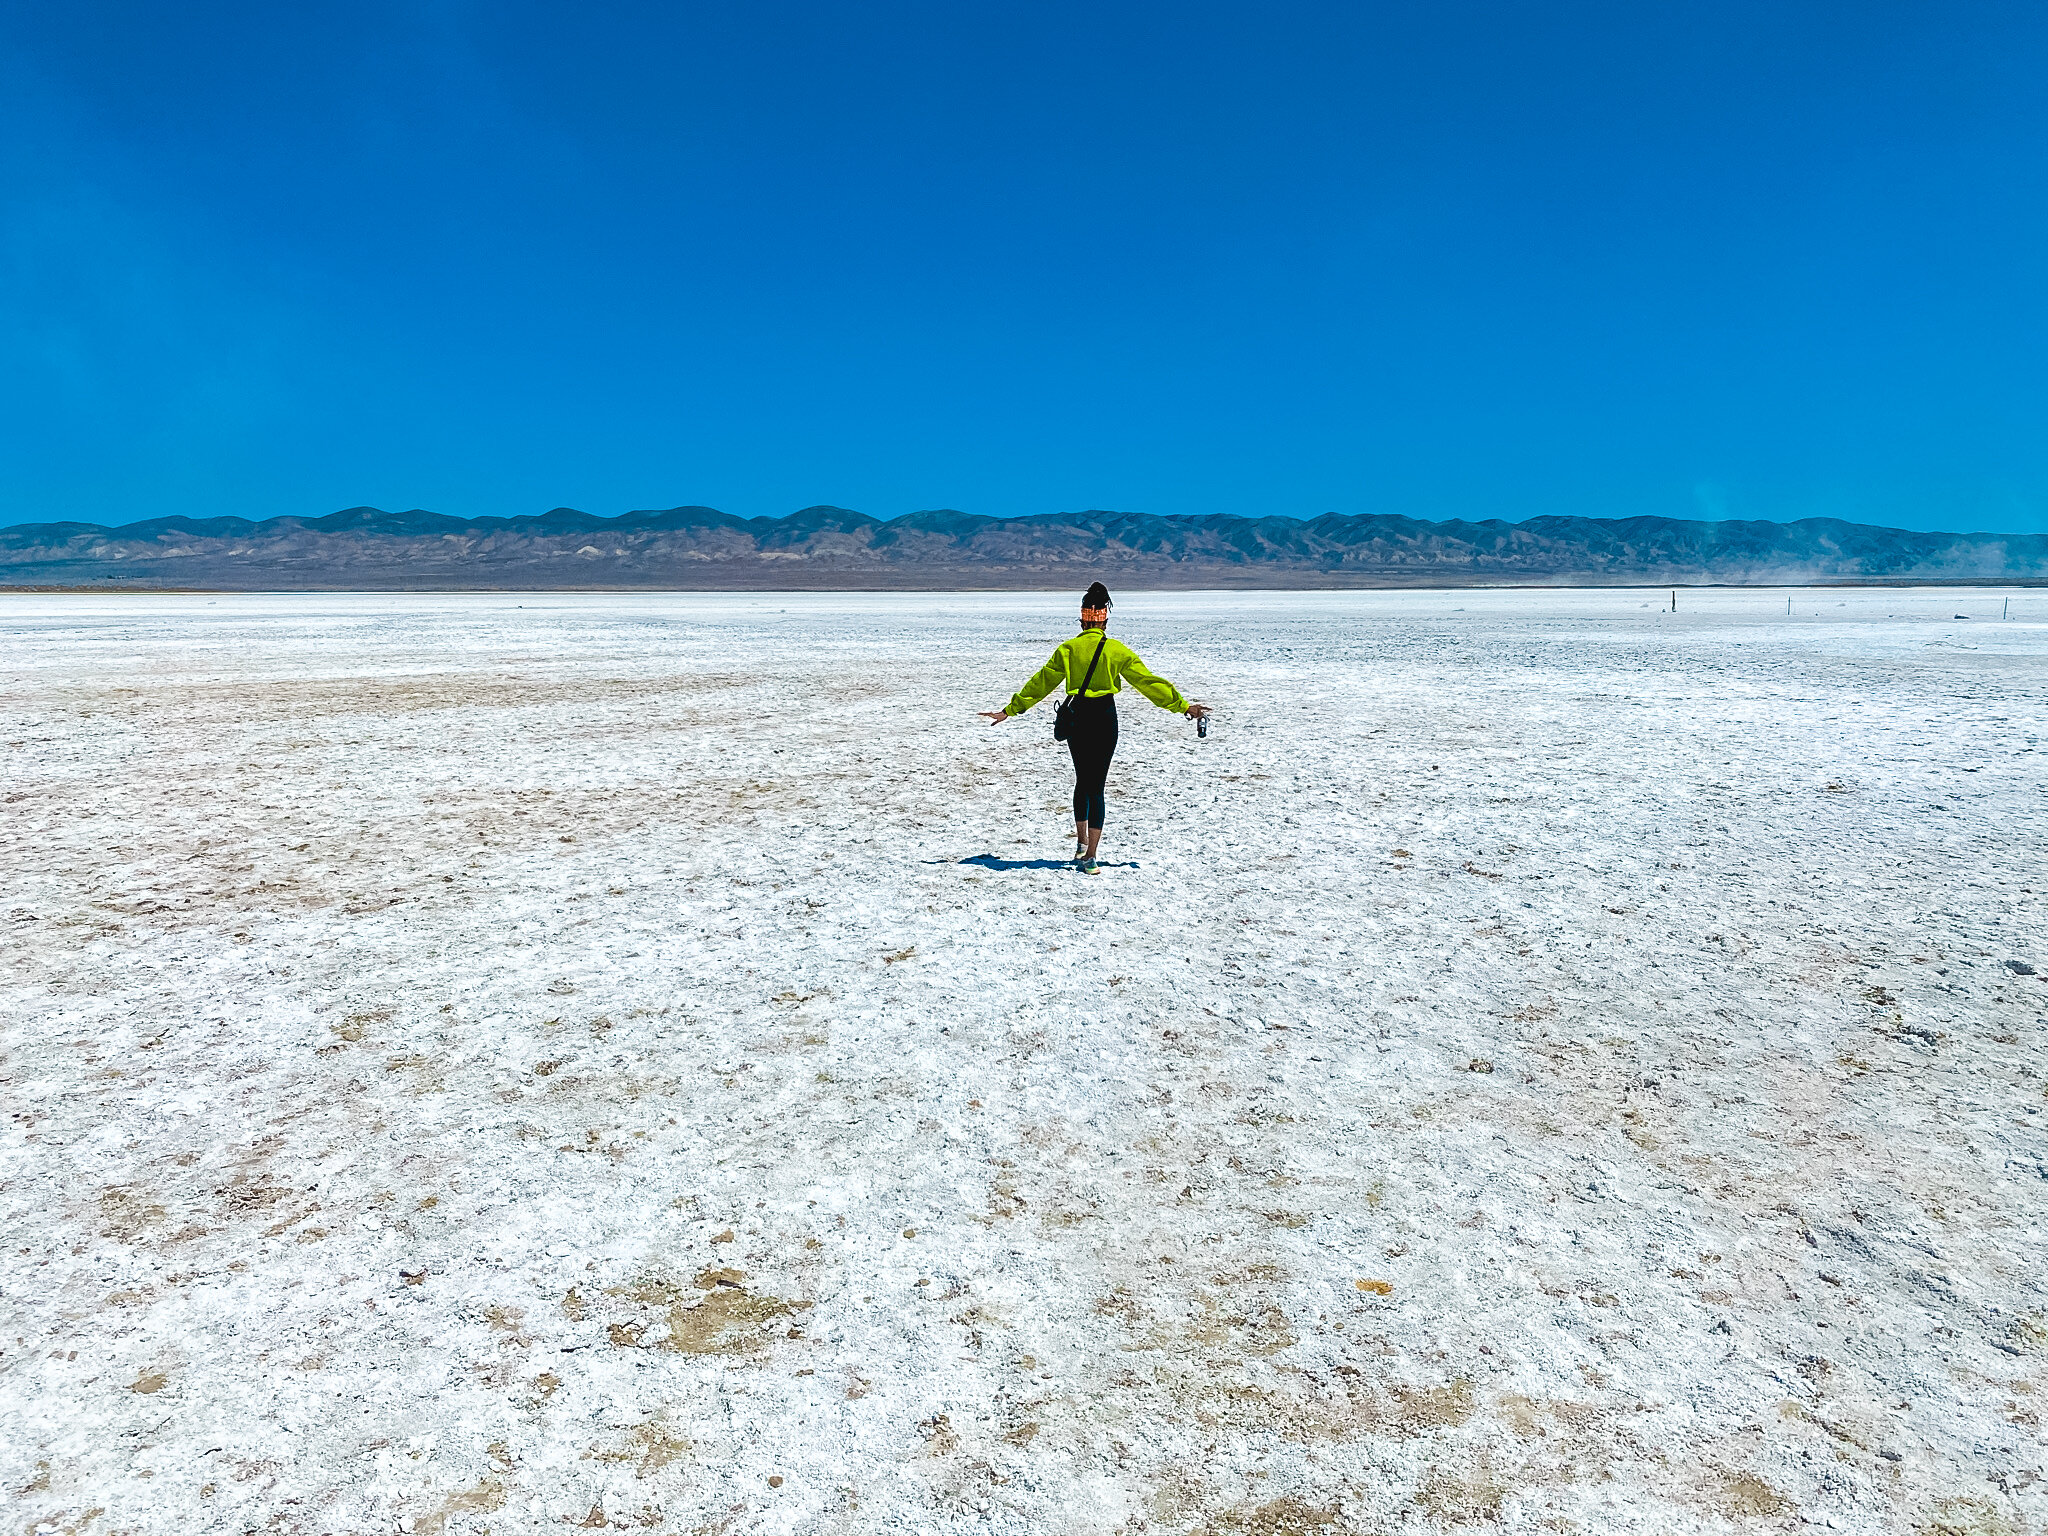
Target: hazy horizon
(999, 516)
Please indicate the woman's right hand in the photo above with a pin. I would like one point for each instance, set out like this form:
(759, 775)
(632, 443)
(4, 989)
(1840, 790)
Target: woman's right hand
(1197, 711)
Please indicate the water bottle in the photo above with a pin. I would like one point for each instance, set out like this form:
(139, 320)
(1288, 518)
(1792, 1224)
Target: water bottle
(1202, 725)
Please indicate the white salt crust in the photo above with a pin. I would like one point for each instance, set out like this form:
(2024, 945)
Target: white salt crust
(404, 996)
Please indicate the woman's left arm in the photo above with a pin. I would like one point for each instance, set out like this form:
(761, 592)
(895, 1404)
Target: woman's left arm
(1157, 688)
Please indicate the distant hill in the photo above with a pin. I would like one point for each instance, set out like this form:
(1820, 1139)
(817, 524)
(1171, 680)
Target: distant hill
(822, 547)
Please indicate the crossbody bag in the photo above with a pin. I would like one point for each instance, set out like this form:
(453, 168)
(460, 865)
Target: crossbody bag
(1063, 713)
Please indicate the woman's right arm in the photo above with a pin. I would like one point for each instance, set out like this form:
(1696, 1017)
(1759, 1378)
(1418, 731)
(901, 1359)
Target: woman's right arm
(1043, 681)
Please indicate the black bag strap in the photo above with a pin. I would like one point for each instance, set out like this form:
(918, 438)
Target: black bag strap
(1089, 676)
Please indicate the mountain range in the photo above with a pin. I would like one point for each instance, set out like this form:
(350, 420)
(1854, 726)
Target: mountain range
(830, 547)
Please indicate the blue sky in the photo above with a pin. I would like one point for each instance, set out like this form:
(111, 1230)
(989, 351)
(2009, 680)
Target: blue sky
(1446, 260)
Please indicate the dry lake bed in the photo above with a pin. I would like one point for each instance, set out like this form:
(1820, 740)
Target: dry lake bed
(539, 1063)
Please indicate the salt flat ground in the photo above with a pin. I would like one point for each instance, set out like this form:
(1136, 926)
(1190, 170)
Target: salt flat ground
(537, 1063)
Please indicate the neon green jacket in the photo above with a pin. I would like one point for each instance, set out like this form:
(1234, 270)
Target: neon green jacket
(1119, 664)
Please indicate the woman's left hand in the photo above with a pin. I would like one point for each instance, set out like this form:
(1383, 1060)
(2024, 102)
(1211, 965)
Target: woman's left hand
(994, 716)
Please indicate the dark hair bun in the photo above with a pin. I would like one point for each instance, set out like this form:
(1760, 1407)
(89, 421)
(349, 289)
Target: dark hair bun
(1097, 596)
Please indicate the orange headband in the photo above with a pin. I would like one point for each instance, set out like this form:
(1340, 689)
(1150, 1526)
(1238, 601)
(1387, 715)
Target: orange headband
(1091, 614)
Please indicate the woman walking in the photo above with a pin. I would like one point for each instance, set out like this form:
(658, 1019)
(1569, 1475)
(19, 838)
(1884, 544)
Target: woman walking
(1094, 669)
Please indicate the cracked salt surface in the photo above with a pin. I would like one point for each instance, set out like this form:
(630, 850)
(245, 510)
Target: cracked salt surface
(514, 1064)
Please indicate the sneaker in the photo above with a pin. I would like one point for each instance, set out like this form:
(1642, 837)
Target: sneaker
(1080, 852)
(1087, 866)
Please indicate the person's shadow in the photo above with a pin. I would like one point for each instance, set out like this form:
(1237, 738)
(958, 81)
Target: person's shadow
(990, 861)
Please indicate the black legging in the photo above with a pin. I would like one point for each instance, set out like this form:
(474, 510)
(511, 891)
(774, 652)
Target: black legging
(1092, 741)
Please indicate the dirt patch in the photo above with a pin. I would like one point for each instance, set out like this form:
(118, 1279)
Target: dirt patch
(1284, 1516)
(1966, 1517)
(1468, 1496)
(243, 1196)
(647, 1448)
(1418, 1410)
(128, 1212)
(486, 1497)
(730, 1320)
(1744, 1495)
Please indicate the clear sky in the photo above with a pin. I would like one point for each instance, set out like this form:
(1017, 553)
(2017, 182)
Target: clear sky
(1445, 259)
